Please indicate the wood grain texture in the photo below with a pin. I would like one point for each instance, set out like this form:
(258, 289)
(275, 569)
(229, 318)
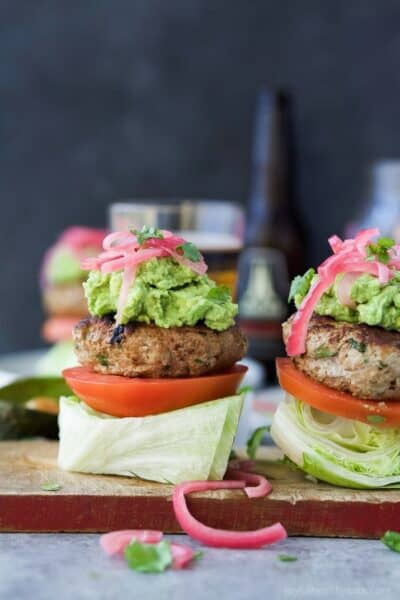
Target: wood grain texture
(89, 503)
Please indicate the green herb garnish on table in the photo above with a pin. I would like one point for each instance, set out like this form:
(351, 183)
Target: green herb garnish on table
(254, 441)
(391, 539)
(49, 486)
(286, 558)
(148, 558)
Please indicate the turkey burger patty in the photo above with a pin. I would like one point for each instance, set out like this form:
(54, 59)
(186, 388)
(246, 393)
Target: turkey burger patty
(359, 359)
(141, 350)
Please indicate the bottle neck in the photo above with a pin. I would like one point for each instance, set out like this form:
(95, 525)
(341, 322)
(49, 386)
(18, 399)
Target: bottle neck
(270, 202)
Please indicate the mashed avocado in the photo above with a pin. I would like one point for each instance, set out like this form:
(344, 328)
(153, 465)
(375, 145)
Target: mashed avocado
(376, 304)
(164, 293)
(63, 267)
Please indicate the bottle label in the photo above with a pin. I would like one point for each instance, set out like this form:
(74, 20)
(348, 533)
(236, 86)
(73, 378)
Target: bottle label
(263, 286)
(261, 269)
(260, 299)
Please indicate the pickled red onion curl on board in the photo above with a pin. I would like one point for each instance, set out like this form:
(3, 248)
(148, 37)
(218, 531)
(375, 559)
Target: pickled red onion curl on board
(220, 538)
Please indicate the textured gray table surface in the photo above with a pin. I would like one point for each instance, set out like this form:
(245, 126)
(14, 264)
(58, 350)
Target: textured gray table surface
(72, 566)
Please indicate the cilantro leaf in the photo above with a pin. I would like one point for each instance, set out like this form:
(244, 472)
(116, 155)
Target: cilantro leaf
(49, 486)
(287, 558)
(190, 251)
(255, 440)
(324, 352)
(356, 345)
(148, 558)
(300, 287)
(386, 242)
(147, 233)
(102, 360)
(380, 250)
(391, 539)
(219, 294)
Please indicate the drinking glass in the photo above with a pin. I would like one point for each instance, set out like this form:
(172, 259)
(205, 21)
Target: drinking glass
(381, 208)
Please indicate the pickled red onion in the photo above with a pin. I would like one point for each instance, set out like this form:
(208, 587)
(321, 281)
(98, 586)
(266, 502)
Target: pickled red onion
(115, 542)
(220, 538)
(182, 555)
(343, 289)
(349, 256)
(78, 238)
(123, 252)
(258, 486)
(127, 282)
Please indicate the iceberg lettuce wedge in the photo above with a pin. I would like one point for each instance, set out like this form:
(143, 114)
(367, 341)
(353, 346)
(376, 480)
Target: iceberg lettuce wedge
(188, 444)
(340, 451)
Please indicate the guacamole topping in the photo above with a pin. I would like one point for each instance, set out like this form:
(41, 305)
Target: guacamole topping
(165, 293)
(338, 275)
(61, 264)
(374, 304)
(64, 267)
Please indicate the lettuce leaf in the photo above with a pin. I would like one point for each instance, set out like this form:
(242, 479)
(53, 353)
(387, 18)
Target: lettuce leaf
(340, 451)
(187, 444)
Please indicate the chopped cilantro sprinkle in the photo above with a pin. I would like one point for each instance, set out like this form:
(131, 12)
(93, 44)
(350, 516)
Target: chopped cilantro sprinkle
(287, 558)
(391, 539)
(102, 359)
(360, 346)
(49, 486)
(380, 250)
(324, 352)
(190, 251)
(148, 558)
(147, 233)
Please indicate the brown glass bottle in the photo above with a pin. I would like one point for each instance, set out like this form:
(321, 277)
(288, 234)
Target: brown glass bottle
(273, 251)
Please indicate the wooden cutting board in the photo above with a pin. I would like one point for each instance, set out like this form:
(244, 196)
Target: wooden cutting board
(89, 503)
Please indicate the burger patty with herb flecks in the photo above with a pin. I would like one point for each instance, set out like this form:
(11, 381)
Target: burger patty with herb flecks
(141, 350)
(359, 359)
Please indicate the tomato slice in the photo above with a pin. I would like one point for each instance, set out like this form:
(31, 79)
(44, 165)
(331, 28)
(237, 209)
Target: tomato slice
(58, 329)
(138, 397)
(334, 402)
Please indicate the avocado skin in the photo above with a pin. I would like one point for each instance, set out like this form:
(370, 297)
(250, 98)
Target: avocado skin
(17, 421)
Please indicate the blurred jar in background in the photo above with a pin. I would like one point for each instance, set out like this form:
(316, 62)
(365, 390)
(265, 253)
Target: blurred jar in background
(273, 247)
(215, 226)
(382, 206)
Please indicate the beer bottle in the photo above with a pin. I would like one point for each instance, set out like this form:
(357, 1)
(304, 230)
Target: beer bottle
(273, 249)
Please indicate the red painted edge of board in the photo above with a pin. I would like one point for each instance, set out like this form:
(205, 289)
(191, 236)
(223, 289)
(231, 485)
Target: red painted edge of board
(66, 513)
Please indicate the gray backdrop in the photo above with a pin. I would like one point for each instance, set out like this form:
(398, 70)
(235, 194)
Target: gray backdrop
(107, 99)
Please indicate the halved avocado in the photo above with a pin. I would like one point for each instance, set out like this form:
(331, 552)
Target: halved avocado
(29, 407)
